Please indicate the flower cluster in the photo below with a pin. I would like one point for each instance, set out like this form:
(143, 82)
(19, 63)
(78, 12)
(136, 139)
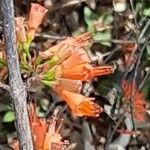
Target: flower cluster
(36, 15)
(138, 99)
(67, 66)
(63, 67)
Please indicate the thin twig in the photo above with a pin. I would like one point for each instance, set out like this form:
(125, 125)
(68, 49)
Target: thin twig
(120, 41)
(134, 14)
(136, 47)
(138, 63)
(48, 36)
(144, 30)
(143, 81)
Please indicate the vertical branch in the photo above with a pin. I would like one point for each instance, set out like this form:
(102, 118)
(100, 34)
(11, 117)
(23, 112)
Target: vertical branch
(17, 88)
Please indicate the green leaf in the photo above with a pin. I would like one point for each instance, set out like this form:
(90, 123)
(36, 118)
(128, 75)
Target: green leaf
(108, 19)
(87, 12)
(89, 16)
(48, 83)
(146, 12)
(9, 116)
(103, 37)
(50, 75)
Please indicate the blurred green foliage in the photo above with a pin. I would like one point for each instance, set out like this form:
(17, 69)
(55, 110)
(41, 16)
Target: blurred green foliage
(99, 24)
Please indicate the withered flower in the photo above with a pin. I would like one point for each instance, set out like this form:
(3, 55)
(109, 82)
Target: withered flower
(36, 15)
(20, 30)
(67, 45)
(44, 133)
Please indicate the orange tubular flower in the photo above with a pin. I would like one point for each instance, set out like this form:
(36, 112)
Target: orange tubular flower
(36, 15)
(84, 72)
(67, 58)
(82, 40)
(79, 104)
(20, 30)
(68, 43)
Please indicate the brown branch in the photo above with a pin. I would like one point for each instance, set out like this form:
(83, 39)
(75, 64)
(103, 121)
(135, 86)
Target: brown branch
(17, 88)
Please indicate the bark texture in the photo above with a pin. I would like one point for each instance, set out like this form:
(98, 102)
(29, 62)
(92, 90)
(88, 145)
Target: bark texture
(17, 88)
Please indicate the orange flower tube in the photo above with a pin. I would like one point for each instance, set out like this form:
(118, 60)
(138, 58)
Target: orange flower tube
(65, 44)
(84, 72)
(20, 30)
(68, 43)
(80, 105)
(82, 40)
(36, 15)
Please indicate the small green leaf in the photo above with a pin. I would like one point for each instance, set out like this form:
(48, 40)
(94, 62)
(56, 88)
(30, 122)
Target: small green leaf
(9, 116)
(48, 83)
(146, 12)
(87, 12)
(108, 19)
(89, 16)
(103, 37)
(50, 75)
